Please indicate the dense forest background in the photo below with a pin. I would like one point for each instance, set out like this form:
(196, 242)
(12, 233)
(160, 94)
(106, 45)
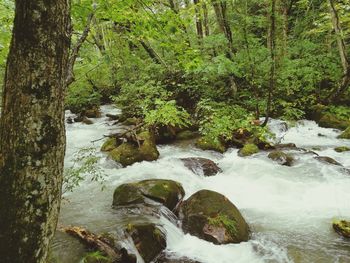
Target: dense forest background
(215, 64)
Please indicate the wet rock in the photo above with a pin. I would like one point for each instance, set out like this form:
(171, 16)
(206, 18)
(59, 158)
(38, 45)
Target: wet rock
(285, 146)
(342, 149)
(326, 159)
(92, 113)
(69, 120)
(345, 134)
(168, 258)
(201, 166)
(342, 227)
(281, 158)
(206, 143)
(212, 217)
(149, 240)
(129, 153)
(113, 117)
(248, 149)
(186, 135)
(167, 192)
(87, 121)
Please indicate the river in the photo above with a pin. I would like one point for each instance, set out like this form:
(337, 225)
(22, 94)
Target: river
(289, 209)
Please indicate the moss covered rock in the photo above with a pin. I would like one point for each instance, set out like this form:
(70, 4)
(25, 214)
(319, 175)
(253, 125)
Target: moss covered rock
(342, 149)
(248, 149)
(342, 227)
(186, 135)
(167, 192)
(109, 145)
(206, 143)
(281, 158)
(169, 258)
(329, 120)
(201, 166)
(129, 153)
(212, 217)
(345, 134)
(149, 240)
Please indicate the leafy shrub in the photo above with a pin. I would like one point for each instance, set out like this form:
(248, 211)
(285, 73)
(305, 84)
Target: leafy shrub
(80, 98)
(167, 113)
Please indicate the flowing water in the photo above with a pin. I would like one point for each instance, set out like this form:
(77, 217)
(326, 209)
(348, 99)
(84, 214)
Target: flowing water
(289, 209)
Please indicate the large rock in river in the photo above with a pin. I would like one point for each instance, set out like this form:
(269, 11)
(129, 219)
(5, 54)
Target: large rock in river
(167, 192)
(211, 216)
(214, 144)
(342, 227)
(201, 166)
(149, 240)
(128, 153)
(345, 134)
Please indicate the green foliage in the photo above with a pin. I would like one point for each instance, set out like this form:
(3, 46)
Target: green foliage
(85, 163)
(224, 221)
(342, 112)
(220, 121)
(81, 98)
(95, 257)
(167, 113)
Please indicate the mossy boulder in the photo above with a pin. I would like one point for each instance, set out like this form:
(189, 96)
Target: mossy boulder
(345, 134)
(131, 121)
(329, 120)
(109, 145)
(201, 166)
(342, 149)
(248, 149)
(167, 192)
(169, 258)
(342, 227)
(129, 153)
(92, 113)
(281, 158)
(206, 143)
(186, 135)
(149, 240)
(327, 160)
(212, 217)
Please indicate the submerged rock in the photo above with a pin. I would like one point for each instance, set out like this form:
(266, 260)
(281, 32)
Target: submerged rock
(342, 227)
(212, 217)
(129, 153)
(345, 134)
(149, 240)
(201, 166)
(281, 158)
(206, 143)
(342, 149)
(326, 159)
(168, 258)
(167, 192)
(248, 149)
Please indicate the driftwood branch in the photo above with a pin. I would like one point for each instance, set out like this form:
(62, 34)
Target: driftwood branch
(93, 241)
(75, 50)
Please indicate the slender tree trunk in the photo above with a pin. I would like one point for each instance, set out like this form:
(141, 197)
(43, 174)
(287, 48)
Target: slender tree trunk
(272, 46)
(345, 81)
(32, 134)
(199, 20)
(206, 19)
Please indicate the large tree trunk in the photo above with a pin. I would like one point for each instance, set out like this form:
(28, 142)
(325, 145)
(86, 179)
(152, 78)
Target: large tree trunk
(32, 135)
(345, 81)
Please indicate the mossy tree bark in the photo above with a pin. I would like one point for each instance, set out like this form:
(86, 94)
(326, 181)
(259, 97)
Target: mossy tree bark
(32, 134)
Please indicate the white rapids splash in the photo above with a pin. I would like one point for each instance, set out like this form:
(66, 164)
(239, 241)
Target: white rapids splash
(289, 209)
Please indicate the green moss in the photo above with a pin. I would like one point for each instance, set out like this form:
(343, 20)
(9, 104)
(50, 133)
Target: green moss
(206, 143)
(345, 134)
(125, 154)
(109, 145)
(148, 149)
(342, 227)
(186, 135)
(248, 149)
(342, 149)
(226, 222)
(329, 120)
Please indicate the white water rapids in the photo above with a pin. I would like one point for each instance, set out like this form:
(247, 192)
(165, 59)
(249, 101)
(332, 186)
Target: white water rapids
(289, 209)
